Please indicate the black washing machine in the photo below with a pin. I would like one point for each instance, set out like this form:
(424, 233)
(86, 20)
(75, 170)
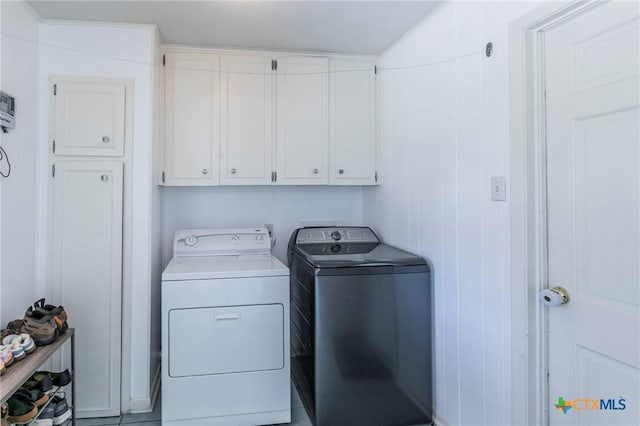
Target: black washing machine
(360, 328)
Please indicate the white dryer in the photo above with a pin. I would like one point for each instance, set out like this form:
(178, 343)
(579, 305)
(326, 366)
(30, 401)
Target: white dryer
(225, 330)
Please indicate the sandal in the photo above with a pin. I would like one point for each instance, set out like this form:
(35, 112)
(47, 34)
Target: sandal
(6, 355)
(24, 340)
(12, 341)
(35, 396)
(57, 312)
(58, 379)
(21, 410)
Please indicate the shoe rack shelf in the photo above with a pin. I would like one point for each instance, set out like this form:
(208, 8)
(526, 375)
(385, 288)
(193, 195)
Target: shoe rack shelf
(20, 371)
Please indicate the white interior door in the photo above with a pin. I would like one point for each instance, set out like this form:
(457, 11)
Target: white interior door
(87, 276)
(593, 202)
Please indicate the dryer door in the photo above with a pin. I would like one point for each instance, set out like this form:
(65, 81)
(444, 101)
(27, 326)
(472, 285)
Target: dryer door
(226, 339)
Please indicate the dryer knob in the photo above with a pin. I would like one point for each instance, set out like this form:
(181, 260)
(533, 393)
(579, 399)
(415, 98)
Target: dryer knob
(190, 240)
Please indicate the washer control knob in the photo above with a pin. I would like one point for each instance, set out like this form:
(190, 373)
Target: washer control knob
(190, 240)
(336, 235)
(260, 237)
(235, 238)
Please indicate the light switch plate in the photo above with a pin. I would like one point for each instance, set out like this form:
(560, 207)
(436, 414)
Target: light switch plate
(498, 188)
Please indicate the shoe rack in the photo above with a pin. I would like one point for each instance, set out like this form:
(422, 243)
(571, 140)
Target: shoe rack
(19, 372)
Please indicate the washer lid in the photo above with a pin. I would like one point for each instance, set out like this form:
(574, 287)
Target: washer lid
(212, 267)
(357, 255)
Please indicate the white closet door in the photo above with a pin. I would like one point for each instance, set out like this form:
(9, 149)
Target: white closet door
(89, 118)
(192, 85)
(87, 276)
(246, 127)
(352, 146)
(302, 125)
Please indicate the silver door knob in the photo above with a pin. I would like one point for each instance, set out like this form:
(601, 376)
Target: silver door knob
(554, 296)
(315, 171)
(104, 178)
(341, 171)
(205, 171)
(105, 139)
(233, 171)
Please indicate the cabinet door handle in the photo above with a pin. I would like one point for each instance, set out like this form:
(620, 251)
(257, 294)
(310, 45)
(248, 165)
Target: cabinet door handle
(315, 171)
(341, 171)
(205, 171)
(105, 139)
(104, 178)
(233, 171)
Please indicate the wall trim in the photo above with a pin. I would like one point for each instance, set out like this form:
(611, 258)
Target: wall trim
(529, 351)
(147, 404)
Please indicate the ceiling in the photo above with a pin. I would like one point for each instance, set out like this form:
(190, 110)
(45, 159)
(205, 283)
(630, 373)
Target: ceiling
(363, 27)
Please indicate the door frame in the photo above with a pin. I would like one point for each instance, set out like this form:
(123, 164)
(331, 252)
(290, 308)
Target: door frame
(528, 211)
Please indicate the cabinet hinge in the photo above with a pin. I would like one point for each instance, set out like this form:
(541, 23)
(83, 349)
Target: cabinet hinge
(275, 174)
(55, 89)
(162, 177)
(54, 146)
(164, 60)
(376, 177)
(53, 170)
(375, 69)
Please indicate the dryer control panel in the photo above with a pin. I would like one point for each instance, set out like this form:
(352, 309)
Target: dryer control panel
(221, 242)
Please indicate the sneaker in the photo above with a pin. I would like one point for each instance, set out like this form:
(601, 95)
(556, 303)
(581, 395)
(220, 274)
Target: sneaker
(45, 418)
(61, 412)
(43, 383)
(42, 327)
(58, 313)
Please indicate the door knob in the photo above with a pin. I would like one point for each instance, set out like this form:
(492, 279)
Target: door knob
(554, 296)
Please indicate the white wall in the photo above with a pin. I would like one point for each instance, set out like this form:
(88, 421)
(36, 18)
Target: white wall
(122, 51)
(19, 78)
(226, 207)
(443, 130)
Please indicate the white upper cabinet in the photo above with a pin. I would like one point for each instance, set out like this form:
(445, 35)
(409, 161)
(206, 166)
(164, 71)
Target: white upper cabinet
(352, 144)
(255, 119)
(246, 126)
(89, 118)
(192, 84)
(302, 125)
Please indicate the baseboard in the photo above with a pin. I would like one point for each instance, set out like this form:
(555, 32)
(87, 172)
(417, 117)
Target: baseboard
(147, 404)
(438, 420)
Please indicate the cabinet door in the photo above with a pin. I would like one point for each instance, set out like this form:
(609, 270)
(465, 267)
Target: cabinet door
(302, 128)
(352, 144)
(192, 84)
(87, 276)
(89, 118)
(246, 127)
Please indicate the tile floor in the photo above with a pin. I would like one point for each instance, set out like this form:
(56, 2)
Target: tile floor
(298, 416)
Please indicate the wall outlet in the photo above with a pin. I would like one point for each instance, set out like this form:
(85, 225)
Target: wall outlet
(498, 188)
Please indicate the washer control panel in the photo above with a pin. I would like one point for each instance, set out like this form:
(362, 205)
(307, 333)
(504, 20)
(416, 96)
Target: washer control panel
(212, 242)
(336, 234)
